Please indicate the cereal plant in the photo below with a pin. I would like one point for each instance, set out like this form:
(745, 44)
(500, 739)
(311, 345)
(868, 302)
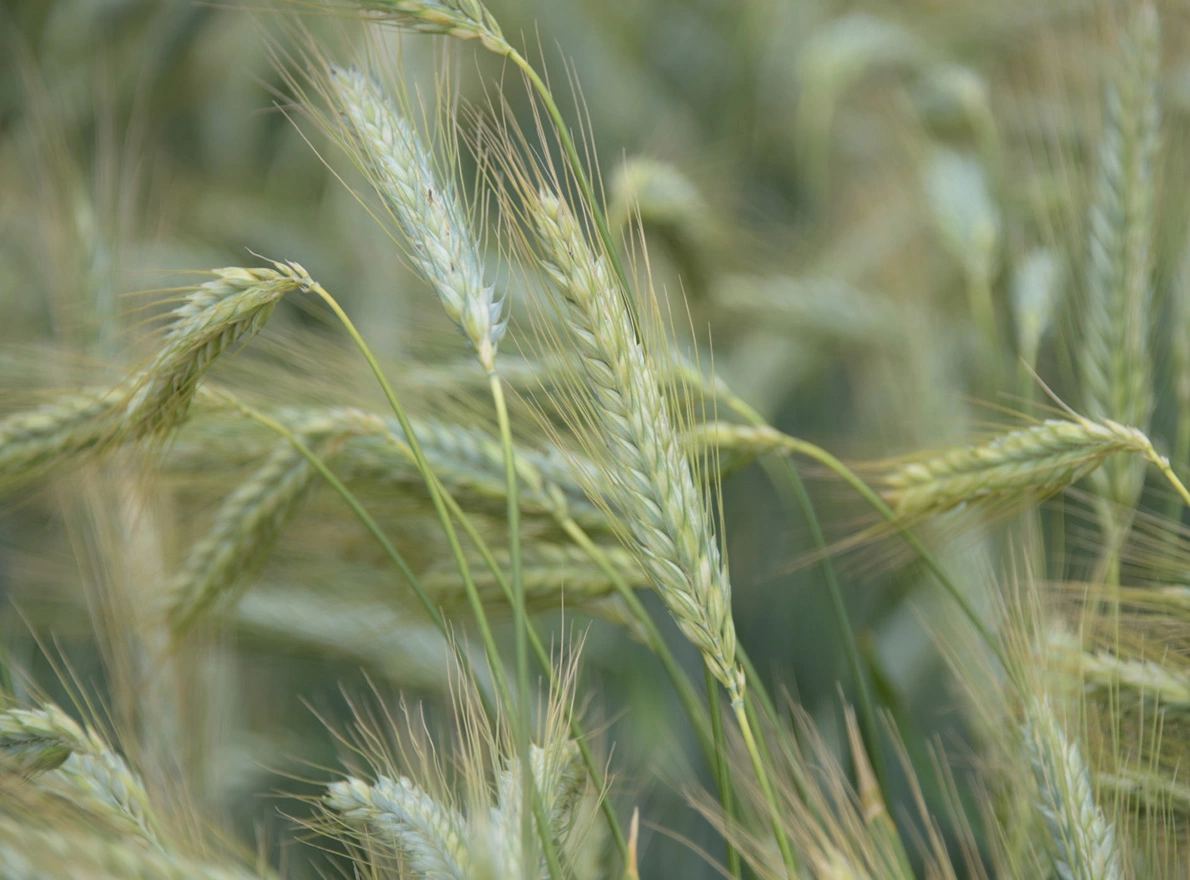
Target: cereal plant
(482, 441)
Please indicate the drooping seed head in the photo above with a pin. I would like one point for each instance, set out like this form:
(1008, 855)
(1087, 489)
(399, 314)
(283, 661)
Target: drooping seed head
(214, 317)
(461, 19)
(1039, 460)
(442, 247)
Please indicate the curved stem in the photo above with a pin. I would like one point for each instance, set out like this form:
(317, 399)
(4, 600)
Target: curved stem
(867, 711)
(452, 537)
(519, 612)
(547, 668)
(722, 773)
(762, 777)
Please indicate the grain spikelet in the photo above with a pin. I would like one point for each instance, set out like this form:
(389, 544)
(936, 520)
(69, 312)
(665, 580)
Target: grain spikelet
(73, 763)
(37, 740)
(397, 813)
(1083, 842)
(1039, 460)
(461, 19)
(34, 852)
(250, 521)
(214, 317)
(1115, 358)
(442, 247)
(651, 479)
(32, 443)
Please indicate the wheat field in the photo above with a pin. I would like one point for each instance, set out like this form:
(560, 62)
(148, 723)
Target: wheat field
(583, 439)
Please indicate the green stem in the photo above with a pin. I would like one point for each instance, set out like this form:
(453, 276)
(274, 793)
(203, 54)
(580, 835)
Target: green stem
(517, 600)
(722, 775)
(452, 537)
(348, 497)
(762, 777)
(547, 668)
(802, 447)
(788, 476)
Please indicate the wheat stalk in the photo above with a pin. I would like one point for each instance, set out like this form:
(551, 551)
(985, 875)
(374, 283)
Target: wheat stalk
(1084, 843)
(1038, 460)
(651, 479)
(432, 838)
(213, 318)
(432, 219)
(1115, 358)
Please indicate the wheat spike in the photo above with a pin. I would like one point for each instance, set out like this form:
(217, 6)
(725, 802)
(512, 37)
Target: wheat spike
(216, 316)
(74, 763)
(462, 19)
(1083, 842)
(102, 783)
(250, 521)
(560, 779)
(555, 575)
(1038, 460)
(37, 740)
(431, 838)
(31, 851)
(1115, 358)
(431, 217)
(651, 479)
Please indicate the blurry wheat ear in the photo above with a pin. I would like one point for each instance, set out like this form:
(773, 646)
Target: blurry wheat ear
(461, 19)
(1114, 357)
(250, 521)
(649, 477)
(212, 319)
(442, 247)
(65, 760)
(1035, 461)
(1083, 842)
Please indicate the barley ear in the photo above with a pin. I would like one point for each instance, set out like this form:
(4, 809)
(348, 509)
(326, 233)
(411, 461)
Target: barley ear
(397, 813)
(1083, 842)
(212, 319)
(1114, 357)
(442, 247)
(651, 480)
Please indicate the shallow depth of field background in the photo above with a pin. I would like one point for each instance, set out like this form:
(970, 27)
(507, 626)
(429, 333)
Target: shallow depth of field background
(824, 182)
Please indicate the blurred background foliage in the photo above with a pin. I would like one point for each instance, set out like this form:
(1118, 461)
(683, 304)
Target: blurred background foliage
(875, 212)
